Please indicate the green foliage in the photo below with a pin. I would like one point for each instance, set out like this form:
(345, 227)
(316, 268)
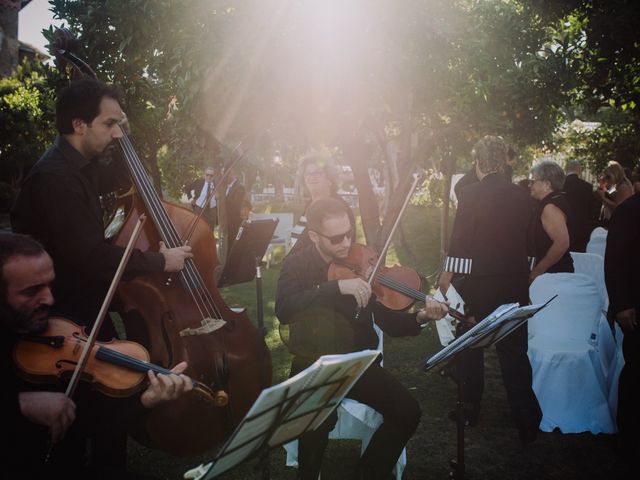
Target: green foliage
(27, 104)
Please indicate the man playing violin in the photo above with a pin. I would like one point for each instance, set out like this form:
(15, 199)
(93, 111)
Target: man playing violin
(60, 202)
(317, 318)
(26, 277)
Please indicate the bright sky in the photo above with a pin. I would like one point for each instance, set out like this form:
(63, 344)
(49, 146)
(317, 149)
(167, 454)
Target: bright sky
(33, 18)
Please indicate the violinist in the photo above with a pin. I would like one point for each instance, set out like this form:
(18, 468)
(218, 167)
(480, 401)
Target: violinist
(60, 204)
(34, 414)
(317, 318)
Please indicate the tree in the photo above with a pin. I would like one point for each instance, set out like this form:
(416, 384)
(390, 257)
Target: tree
(26, 118)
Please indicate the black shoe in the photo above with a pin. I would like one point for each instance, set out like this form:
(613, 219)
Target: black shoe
(470, 417)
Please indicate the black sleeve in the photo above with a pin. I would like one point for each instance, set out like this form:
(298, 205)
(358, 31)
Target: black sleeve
(293, 296)
(396, 324)
(79, 237)
(463, 227)
(623, 239)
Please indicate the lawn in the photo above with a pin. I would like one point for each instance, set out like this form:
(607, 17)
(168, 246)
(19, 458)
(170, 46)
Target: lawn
(492, 448)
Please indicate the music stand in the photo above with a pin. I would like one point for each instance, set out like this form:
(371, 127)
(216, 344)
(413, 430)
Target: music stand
(286, 411)
(504, 320)
(245, 257)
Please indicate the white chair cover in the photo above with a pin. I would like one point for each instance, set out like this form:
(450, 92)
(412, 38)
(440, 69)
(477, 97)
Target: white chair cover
(597, 242)
(356, 421)
(568, 376)
(593, 265)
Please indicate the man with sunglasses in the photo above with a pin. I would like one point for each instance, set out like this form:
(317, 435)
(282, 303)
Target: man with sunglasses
(201, 194)
(318, 318)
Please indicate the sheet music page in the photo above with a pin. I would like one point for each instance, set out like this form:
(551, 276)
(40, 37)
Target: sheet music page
(308, 399)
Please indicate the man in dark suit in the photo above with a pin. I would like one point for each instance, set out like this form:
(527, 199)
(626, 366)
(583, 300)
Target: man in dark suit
(580, 197)
(234, 194)
(198, 192)
(489, 247)
(622, 277)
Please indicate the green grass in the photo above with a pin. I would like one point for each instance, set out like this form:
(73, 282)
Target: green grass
(492, 448)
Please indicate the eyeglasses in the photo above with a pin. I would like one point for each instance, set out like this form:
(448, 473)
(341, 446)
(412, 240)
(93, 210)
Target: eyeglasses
(337, 239)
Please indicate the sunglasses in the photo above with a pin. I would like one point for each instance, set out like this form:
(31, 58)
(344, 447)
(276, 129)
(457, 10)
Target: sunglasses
(337, 239)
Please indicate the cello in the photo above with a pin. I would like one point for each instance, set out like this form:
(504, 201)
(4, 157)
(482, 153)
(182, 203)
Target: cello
(184, 315)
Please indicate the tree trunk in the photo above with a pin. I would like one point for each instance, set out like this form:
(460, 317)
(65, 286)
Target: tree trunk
(357, 155)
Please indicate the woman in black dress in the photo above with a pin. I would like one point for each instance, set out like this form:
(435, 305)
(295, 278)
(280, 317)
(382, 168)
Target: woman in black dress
(553, 222)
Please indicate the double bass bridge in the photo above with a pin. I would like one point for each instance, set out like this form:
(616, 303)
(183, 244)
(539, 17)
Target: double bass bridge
(207, 325)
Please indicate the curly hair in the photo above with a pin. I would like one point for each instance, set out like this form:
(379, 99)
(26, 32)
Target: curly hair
(490, 154)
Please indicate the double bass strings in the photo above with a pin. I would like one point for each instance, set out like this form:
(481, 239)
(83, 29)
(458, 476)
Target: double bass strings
(192, 278)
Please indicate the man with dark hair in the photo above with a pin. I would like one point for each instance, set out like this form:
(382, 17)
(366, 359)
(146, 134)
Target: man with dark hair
(489, 246)
(60, 205)
(318, 317)
(581, 197)
(33, 414)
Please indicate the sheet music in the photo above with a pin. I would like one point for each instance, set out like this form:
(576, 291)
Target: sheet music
(502, 321)
(285, 411)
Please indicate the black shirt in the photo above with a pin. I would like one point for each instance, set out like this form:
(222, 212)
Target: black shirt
(491, 232)
(59, 205)
(622, 257)
(319, 320)
(543, 242)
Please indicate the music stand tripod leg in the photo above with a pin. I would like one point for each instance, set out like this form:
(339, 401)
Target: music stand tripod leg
(259, 302)
(457, 465)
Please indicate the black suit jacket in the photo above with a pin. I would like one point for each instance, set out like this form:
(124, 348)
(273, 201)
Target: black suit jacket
(194, 189)
(622, 257)
(233, 203)
(579, 195)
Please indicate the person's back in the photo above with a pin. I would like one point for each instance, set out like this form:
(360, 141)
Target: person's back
(580, 196)
(500, 214)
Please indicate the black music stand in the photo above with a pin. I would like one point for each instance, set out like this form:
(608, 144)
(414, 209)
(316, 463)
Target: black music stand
(286, 411)
(485, 333)
(245, 258)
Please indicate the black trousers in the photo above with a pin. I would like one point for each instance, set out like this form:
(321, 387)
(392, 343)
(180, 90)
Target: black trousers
(628, 415)
(210, 215)
(482, 296)
(381, 391)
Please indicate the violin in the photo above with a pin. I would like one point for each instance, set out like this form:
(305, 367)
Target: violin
(117, 368)
(397, 287)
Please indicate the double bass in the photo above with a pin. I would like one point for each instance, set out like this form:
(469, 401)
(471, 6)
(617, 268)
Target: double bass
(184, 315)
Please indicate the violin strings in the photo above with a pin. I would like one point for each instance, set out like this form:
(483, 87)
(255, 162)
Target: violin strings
(402, 288)
(190, 275)
(123, 360)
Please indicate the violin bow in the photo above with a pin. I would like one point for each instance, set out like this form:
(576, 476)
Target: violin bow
(416, 179)
(91, 339)
(376, 268)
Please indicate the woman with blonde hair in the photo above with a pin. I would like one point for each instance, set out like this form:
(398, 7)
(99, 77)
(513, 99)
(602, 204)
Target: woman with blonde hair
(318, 175)
(614, 190)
